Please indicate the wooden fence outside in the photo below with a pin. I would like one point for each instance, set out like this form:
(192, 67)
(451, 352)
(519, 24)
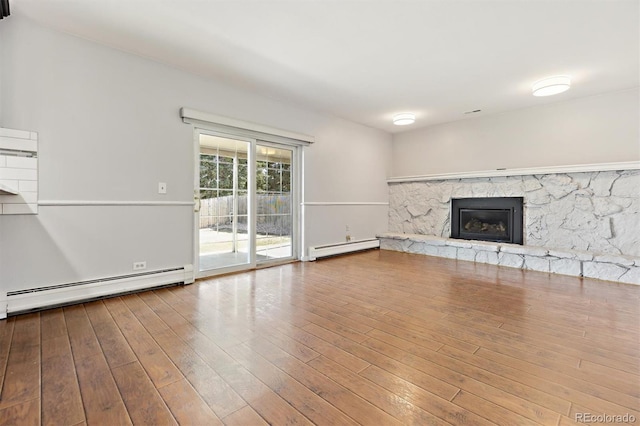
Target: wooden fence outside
(273, 214)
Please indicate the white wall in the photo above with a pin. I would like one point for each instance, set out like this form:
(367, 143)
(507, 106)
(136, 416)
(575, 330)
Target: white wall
(597, 129)
(359, 202)
(109, 130)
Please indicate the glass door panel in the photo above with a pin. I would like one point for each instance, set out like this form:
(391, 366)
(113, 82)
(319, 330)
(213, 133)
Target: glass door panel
(223, 231)
(274, 203)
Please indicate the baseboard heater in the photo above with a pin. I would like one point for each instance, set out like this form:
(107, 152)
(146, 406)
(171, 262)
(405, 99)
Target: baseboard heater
(63, 294)
(341, 248)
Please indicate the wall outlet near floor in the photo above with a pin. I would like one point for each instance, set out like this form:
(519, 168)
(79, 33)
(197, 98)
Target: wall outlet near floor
(138, 266)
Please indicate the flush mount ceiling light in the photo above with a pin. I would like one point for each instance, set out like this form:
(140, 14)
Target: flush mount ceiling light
(551, 86)
(404, 119)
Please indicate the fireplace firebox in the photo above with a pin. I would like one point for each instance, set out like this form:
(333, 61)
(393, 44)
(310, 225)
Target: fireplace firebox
(487, 219)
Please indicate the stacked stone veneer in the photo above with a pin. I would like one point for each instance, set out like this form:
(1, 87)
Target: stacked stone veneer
(582, 224)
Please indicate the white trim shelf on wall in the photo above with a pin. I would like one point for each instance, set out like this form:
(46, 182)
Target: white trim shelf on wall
(577, 168)
(344, 203)
(80, 203)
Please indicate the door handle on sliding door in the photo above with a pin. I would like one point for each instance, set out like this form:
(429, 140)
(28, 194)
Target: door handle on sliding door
(196, 202)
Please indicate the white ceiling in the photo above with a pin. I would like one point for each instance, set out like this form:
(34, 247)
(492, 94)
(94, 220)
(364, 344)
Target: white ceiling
(366, 60)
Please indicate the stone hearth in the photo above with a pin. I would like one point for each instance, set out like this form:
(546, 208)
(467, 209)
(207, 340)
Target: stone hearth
(583, 223)
(625, 269)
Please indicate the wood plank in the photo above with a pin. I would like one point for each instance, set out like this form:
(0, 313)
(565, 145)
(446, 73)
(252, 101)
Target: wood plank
(426, 333)
(344, 358)
(169, 315)
(219, 396)
(155, 362)
(276, 411)
(436, 386)
(501, 341)
(401, 409)
(52, 324)
(84, 342)
(115, 347)
(61, 399)
(294, 348)
(340, 397)
(562, 394)
(596, 370)
(24, 413)
(312, 406)
(145, 315)
(594, 388)
(187, 406)
(22, 377)
(577, 336)
(143, 402)
(243, 417)
(491, 411)
(431, 403)
(245, 384)
(102, 401)
(510, 394)
(6, 335)
(317, 308)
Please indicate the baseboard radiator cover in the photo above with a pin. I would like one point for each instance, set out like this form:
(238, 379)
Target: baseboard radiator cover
(58, 295)
(318, 252)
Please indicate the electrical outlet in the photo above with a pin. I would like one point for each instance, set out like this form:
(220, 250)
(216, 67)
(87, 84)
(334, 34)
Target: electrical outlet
(137, 266)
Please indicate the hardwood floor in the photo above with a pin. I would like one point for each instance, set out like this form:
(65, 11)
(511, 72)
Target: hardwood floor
(375, 338)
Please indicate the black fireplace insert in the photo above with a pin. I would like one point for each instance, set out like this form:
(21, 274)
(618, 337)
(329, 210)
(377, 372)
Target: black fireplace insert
(487, 219)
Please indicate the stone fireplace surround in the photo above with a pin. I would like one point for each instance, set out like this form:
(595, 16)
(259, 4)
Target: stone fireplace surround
(578, 220)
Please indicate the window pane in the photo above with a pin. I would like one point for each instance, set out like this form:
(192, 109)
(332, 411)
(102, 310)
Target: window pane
(262, 180)
(208, 172)
(225, 175)
(273, 180)
(243, 206)
(286, 182)
(243, 177)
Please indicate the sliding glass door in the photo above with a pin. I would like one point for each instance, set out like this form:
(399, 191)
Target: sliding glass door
(246, 203)
(223, 219)
(274, 203)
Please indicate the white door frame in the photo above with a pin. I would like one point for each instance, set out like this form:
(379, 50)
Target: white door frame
(296, 185)
(296, 196)
(251, 220)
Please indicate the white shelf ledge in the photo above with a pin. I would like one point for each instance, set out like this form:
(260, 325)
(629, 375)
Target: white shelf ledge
(5, 190)
(600, 167)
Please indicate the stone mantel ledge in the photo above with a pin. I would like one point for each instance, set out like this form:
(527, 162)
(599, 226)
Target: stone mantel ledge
(624, 269)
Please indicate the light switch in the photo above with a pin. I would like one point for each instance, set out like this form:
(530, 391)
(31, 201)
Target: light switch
(162, 188)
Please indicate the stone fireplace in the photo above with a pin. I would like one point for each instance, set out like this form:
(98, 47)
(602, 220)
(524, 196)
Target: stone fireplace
(575, 220)
(487, 219)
